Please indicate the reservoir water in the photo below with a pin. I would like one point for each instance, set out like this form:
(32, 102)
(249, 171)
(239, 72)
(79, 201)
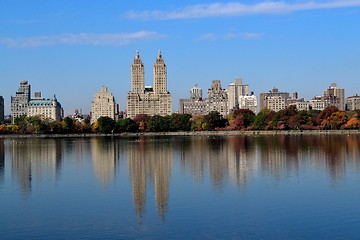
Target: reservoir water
(183, 187)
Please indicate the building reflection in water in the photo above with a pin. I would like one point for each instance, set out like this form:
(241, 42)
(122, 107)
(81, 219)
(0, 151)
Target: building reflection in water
(239, 158)
(2, 161)
(35, 159)
(278, 155)
(220, 158)
(105, 153)
(281, 155)
(149, 161)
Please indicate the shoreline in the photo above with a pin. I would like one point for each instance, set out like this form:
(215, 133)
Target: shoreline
(190, 133)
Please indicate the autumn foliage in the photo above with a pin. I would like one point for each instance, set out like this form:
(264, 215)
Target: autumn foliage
(331, 118)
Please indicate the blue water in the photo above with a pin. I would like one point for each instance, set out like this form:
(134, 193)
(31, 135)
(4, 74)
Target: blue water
(243, 187)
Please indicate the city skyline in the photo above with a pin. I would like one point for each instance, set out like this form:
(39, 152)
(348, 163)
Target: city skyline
(72, 49)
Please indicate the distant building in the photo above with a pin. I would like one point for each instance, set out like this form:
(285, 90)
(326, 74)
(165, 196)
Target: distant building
(317, 103)
(334, 96)
(240, 98)
(300, 103)
(1, 109)
(19, 102)
(216, 101)
(274, 100)
(103, 105)
(45, 108)
(249, 102)
(192, 106)
(195, 104)
(148, 100)
(217, 98)
(196, 93)
(353, 103)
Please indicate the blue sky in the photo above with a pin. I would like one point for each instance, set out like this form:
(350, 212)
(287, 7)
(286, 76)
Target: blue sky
(72, 48)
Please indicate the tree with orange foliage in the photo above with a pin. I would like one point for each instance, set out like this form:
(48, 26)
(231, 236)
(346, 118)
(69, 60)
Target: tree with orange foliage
(335, 120)
(353, 123)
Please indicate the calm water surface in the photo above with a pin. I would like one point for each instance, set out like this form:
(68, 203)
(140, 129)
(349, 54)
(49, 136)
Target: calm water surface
(236, 187)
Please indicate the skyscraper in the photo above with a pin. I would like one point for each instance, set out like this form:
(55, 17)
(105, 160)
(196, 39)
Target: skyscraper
(137, 75)
(19, 102)
(103, 105)
(148, 100)
(160, 75)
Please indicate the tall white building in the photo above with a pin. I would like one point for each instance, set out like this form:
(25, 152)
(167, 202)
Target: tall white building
(240, 98)
(103, 105)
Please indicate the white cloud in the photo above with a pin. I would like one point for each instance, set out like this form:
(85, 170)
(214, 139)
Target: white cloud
(207, 37)
(112, 39)
(229, 36)
(238, 9)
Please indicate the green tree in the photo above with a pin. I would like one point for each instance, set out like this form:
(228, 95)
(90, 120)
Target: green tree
(68, 125)
(179, 122)
(263, 119)
(105, 125)
(126, 125)
(214, 120)
(241, 119)
(198, 122)
(158, 123)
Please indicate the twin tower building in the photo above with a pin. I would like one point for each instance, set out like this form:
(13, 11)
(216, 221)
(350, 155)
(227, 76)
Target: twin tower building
(145, 99)
(141, 99)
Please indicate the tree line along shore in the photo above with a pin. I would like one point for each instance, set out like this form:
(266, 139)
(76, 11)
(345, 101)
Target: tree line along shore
(243, 121)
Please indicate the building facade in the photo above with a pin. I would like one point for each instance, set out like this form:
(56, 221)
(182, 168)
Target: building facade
(1, 109)
(217, 99)
(103, 105)
(195, 104)
(334, 96)
(274, 100)
(19, 102)
(248, 102)
(45, 108)
(236, 89)
(240, 98)
(148, 100)
(353, 103)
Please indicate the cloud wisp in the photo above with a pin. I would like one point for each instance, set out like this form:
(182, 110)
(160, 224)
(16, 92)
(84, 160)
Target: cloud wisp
(238, 9)
(110, 39)
(229, 36)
